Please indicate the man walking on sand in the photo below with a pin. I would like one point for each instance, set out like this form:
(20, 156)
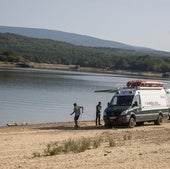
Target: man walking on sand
(98, 113)
(76, 111)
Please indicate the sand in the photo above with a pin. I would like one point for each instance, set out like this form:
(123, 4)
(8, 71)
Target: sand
(147, 147)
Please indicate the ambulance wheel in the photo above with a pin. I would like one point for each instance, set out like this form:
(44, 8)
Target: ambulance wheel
(132, 122)
(159, 120)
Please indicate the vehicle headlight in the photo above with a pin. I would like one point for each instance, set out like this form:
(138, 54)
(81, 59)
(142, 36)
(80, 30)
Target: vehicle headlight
(124, 113)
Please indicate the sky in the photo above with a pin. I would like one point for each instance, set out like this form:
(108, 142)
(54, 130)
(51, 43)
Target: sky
(144, 23)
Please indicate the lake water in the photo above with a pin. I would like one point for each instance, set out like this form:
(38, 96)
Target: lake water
(42, 96)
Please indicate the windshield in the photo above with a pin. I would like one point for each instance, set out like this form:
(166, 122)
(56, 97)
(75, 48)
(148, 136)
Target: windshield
(121, 101)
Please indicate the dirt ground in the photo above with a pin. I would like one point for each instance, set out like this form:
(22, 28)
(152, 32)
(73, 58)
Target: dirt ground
(141, 147)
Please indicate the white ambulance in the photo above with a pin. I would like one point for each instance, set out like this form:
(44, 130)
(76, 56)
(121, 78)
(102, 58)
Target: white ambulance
(141, 101)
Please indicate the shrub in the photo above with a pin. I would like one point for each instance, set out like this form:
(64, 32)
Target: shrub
(112, 142)
(127, 137)
(97, 142)
(75, 146)
(36, 154)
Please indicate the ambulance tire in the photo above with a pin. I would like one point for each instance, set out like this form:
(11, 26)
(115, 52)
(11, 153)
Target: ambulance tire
(159, 120)
(132, 122)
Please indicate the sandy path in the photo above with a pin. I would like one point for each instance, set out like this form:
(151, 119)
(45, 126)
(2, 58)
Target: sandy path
(148, 147)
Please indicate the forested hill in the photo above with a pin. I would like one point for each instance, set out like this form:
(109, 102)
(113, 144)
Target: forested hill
(16, 48)
(76, 39)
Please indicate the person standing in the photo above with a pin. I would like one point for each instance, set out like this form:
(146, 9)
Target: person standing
(98, 113)
(76, 112)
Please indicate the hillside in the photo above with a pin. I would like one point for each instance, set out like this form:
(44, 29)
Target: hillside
(76, 39)
(45, 50)
(17, 48)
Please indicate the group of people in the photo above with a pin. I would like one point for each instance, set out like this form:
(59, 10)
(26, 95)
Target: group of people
(77, 110)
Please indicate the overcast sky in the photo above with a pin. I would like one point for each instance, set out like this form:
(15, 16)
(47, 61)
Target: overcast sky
(144, 23)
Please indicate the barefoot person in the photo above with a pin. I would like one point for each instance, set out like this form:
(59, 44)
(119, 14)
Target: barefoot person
(76, 112)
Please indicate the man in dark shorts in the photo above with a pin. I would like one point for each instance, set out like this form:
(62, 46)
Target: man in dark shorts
(77, 113)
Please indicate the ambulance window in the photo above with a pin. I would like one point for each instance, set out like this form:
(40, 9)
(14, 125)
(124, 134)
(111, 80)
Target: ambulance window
(113, 101)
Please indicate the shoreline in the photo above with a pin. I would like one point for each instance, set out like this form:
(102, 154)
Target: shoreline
(152, 75)
(69, 123)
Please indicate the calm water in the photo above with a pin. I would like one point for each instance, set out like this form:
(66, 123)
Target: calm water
(38, 96)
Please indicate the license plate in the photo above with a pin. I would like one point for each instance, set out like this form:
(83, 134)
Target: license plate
(112, 118)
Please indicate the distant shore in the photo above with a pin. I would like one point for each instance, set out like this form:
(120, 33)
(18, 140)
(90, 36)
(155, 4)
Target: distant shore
(80, 69)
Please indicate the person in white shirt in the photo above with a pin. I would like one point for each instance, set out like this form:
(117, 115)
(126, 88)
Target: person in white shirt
(76, 111)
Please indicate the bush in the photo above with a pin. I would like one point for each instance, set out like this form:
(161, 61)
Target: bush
(112, 142)
(97, 142)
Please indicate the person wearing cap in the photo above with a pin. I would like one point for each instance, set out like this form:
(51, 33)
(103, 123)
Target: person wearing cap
(76, 112)
(98, 113)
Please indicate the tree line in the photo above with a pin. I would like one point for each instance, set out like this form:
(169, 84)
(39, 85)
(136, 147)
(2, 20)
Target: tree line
(16, 48)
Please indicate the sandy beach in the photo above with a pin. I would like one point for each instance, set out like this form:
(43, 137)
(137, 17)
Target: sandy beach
(146, 147)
